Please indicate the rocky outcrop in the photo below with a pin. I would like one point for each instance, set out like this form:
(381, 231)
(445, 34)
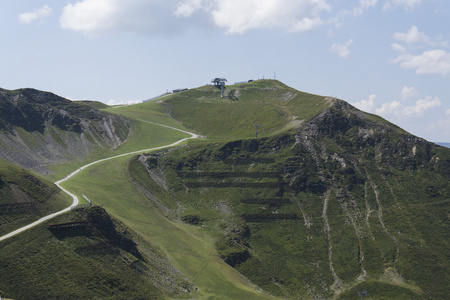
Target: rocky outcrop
(354, 198)
(39, 128)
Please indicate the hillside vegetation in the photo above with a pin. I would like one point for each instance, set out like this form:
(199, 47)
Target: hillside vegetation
(347, 202)
(327, 202)
(269, 103)
(87, 255)
(26, 197)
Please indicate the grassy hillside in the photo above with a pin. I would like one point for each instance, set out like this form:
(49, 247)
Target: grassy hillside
(98, 259)
(95, 104)
(26, 197)
(296, 235)
(151, 111)
(269, 103)
(143, 135)
(189, 249)
(327, 202)
(347, 203)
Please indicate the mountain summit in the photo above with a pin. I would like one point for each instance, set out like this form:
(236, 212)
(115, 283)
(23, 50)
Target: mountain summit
(328, 201)
(289, 195)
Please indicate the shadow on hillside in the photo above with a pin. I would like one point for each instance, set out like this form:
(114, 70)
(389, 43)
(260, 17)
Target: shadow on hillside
(69, 232)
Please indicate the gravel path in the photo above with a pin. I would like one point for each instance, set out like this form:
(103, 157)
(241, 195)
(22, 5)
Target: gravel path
(75, 198)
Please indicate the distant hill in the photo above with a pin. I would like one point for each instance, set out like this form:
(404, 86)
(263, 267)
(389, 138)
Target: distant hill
(94, 104)
(40, 128)
(444, 144)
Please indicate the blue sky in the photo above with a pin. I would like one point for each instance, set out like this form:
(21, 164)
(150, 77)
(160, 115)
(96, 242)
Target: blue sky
(389, 57)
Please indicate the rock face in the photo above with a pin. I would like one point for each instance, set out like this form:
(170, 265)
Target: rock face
(40, 128)
(336, 207)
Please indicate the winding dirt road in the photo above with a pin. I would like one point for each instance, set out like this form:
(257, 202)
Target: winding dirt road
(75, 198)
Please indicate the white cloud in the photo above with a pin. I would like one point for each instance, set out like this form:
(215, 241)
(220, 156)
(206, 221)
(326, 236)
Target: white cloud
(412, 36)
(237, 16)
(342, 50)
(398, 48)
(188, 7)
(401, 108)
(366, 105)
(429, 62)
(436, 61)
(40, 13)
(447, 112)
(389, 108)
(421, 106)
(418, 109)
(90, 16)
(409, 92)
(96, 17)
(407, 4)
(363, 6)
(112, 102)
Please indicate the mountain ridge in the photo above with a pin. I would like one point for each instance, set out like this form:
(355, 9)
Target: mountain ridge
(351, 186)
(40, 128)
(328, 201)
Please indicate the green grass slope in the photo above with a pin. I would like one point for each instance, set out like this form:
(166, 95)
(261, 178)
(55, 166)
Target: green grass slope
(188, 248)
(269, 103)
(99, 259)
(26, 197)
(143, 135)
(328, 201)
(150, 111)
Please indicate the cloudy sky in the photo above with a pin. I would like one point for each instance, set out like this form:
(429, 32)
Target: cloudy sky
(389, 57)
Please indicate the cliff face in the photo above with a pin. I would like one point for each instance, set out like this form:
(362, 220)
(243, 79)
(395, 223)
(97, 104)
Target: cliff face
(39, 128)
(349, 202)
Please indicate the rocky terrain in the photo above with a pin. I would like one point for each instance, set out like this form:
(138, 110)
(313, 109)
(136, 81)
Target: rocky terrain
(39, 128)
(327, 202)
(347, 202)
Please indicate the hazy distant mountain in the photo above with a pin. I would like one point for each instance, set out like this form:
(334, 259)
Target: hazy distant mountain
(444, 144)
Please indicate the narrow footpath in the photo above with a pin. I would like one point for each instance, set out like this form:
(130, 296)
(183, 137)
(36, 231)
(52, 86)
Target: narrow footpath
(75, 198)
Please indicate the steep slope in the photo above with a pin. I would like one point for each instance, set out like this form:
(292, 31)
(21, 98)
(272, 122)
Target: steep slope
(39, 128)
(86, 255)
(25, 197)
(345, 203)
(327, 202)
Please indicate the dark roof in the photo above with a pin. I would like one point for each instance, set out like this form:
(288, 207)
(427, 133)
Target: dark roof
(218, 80)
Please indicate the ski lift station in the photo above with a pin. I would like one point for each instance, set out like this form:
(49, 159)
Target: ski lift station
(219, 83)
